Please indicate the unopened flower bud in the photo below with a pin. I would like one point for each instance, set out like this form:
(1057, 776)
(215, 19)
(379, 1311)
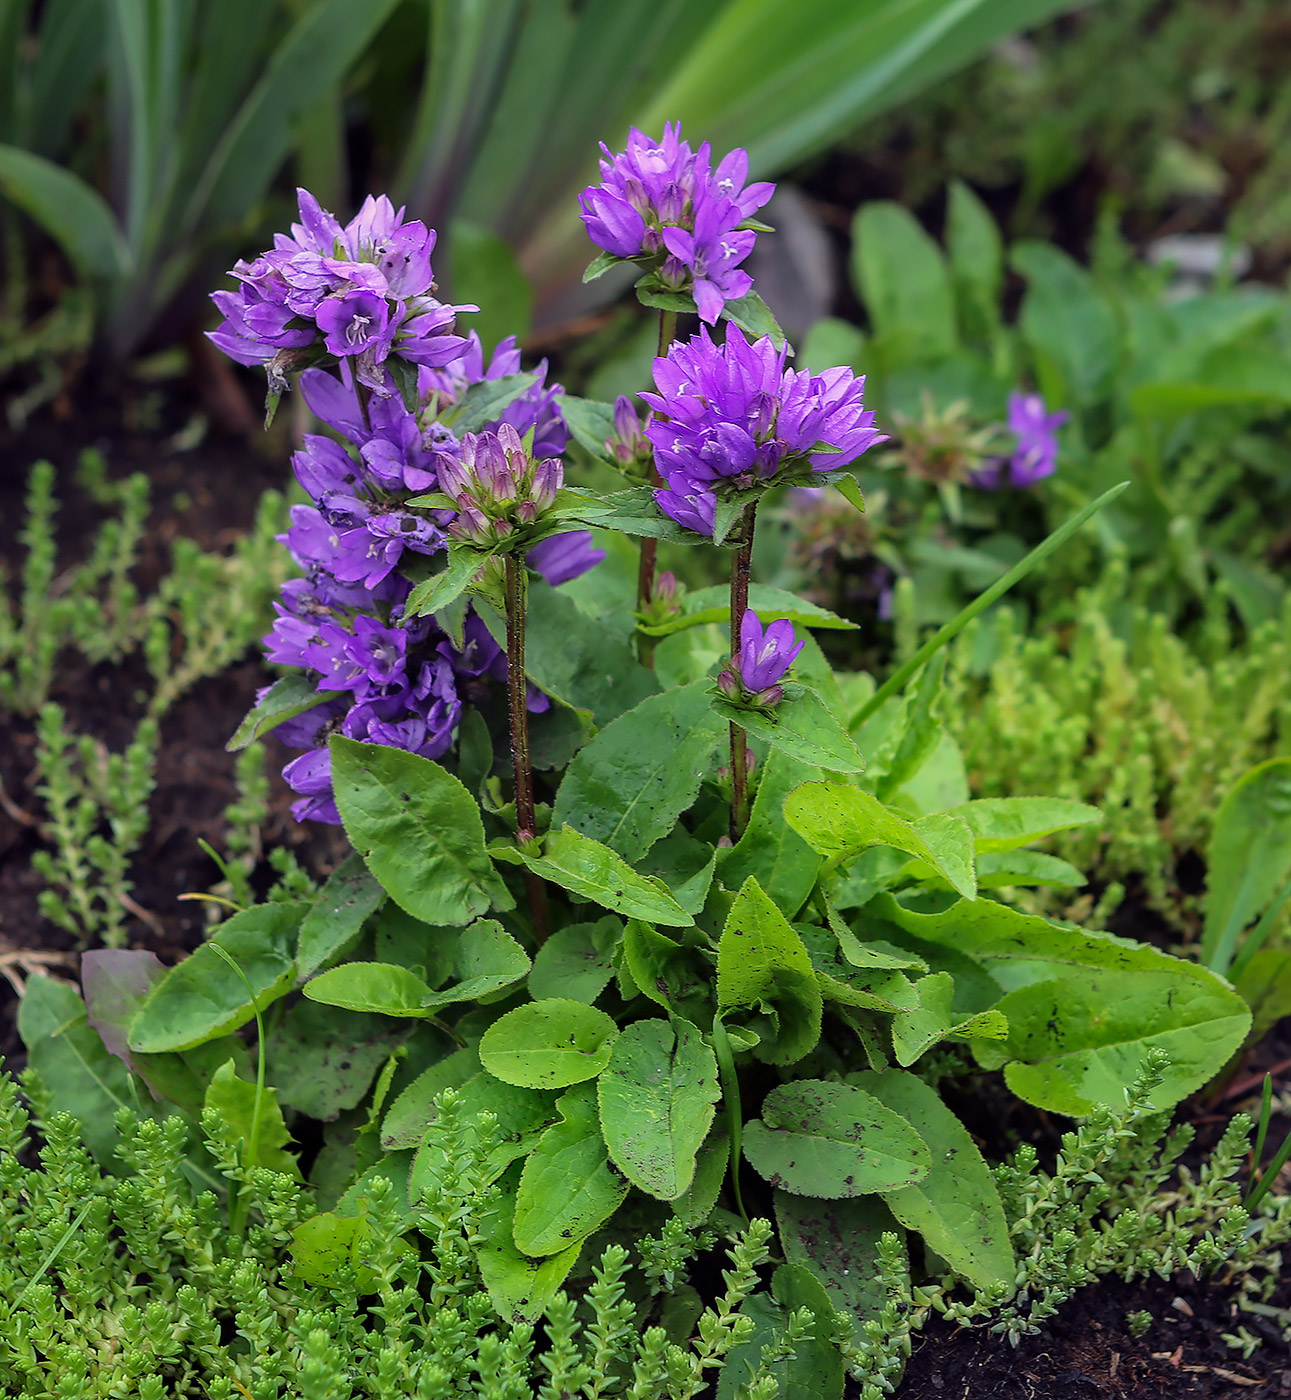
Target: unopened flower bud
(767, 699)
(548, 478)
(728, 683)
(527, 513)
(665, 587)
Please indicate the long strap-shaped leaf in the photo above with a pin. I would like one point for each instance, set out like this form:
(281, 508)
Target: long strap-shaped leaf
(72, 213)
(983, 601)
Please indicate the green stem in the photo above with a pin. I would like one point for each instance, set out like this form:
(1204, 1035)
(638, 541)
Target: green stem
(238, 1205)
(741, 568)
(979, 604)
(517, 589)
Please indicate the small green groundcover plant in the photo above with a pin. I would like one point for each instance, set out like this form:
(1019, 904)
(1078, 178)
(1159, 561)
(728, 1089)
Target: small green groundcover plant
(622, 880)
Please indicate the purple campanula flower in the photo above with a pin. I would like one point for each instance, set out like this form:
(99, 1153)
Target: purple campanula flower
(560, 558)
(496, 485)
(688, 503)
(1035, 455)
(357, 293)
(734, 416)
(763, 659)
(664, 205)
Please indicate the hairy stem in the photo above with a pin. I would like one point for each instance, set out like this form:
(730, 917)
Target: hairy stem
(650, 548)
(517, 589)
(741, 567)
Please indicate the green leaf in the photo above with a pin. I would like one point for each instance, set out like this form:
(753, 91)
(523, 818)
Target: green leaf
(1085, 1008)
(409, 1116)
(70, 211)
(590, 422)
(284, 700)
(702, 605)
(439, 590)
(263, 1134)
(878, 987)
(336, 916)
(202, 997)
(582, 662)
(567, 1188)
(902, 279)
(634, 512)
(920, 732)
(483, 269)
(485, 959)
(324, 1244)
(829, 1140)
(1265, 986)
(800, 725)
(548, 1044)
(1065, 319)
(1005, 823)
(1248, 859)
(576, 962)
(763, 968)
(727, 513)
(840, 822)
(839, 1242)
(418, 829)
(847, 487)
(323, 1063)
(675, 977)
(685, 866)
(956, 1207)
(976, 262)
(696, 1202)
(522, 1116)
(831, 342)
(754, 317)
(593, 872)
(916, 1029)
(665, 301)
(628, 787)
(521, 1288)
(1000, 869)
(600, 265)
(657, 1097)
(383, 988)
(814, 1369)
(786, 866)
(73, 1063)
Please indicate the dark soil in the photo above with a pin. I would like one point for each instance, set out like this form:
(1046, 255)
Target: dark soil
(209, 493)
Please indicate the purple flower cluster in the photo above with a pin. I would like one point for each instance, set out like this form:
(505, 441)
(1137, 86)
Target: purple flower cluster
(496, 486)
(358, 293)
(733, 416)
(1036, 454)
(402, 681)
(665, 205)
(761, 663)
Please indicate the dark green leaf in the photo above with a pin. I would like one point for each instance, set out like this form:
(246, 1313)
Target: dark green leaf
(600, 265)
(628, 787)
(322, 1062)
(445, 587)
(677, 978)
(785, 865)
(486, 959)
(484, 271)
(754, 318)
(69, 210)
(336, 916)
(591, 423)
(520, 1288)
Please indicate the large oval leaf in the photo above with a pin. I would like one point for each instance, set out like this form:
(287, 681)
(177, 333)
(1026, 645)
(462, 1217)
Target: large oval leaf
(418, 829)
(656, 1098)
(548, 1044)
(830, 1140)
(567, 1187)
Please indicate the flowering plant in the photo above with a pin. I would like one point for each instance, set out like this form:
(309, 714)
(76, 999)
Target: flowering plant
(621, 876)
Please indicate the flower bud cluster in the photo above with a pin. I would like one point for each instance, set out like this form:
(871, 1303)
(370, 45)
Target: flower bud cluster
(496, 486)
(629, 446)
(756, 670)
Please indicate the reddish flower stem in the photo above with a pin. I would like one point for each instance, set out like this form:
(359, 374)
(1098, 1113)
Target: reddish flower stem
(650, 548)
(741, 568)
(517, 588)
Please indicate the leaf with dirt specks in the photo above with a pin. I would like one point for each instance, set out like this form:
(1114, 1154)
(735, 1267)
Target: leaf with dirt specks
(657, 1097)
(956, 1207)
(548, 1044)
(829, 1140)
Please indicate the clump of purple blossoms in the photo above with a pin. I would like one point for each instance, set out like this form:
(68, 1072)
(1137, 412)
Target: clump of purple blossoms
(663, 205)
(1036, 454)
(386, 678)
(496, 486)
(761, 663)
(357, 294)
(732, 418)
